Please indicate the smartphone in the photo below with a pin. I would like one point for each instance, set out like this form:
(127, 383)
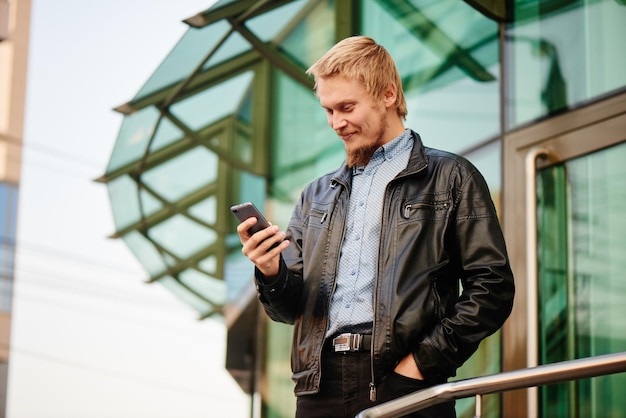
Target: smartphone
(247, 210)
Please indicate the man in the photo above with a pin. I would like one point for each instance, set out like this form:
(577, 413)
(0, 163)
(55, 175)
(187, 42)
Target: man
(393, 268)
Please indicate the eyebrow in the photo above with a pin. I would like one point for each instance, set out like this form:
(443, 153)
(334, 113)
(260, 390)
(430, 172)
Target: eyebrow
(342, 104)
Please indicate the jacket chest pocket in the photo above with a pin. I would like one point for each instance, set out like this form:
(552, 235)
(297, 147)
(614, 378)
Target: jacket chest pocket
(427, 207)
(318, 216)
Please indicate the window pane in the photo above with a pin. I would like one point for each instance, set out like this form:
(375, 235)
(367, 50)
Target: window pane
(183, 175)
(562, 54)
(124, 204)
(181, 236)
(214, 103)
(300, 158)
(145, 252)
(447, 55)
(185, 57)
(208, 287)
(268, 25)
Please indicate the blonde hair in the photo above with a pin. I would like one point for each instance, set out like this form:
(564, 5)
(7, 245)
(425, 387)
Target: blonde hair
(361, 58)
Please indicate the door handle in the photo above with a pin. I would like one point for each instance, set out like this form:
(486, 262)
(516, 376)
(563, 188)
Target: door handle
(532, 304)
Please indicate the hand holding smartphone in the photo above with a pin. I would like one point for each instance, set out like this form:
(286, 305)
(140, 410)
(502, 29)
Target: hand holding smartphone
(247, 210)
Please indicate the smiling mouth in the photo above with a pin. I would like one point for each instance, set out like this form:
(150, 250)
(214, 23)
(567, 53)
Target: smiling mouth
(345, 135)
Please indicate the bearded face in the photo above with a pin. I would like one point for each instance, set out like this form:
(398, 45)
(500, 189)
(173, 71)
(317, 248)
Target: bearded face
(358, 119)
(360, 153)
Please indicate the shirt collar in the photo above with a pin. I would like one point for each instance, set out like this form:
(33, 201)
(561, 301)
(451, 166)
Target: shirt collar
(389, 151)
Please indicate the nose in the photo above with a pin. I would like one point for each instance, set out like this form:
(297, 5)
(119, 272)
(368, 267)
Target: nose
(338, 121)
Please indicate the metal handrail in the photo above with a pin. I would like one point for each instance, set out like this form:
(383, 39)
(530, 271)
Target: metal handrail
(501, 382)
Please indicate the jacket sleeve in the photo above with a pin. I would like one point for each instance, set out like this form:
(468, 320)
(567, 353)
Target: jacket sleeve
(480, 261)
(281, 298)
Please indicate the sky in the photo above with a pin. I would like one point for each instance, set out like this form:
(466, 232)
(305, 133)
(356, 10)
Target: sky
(90, 339)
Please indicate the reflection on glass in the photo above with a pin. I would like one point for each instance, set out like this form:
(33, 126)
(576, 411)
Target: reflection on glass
(561, 54)
(447, 55)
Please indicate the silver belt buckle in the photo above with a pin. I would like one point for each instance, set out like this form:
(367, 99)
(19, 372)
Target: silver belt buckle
(347, 342)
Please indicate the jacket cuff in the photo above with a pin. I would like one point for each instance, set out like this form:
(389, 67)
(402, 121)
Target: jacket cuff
(270, 286)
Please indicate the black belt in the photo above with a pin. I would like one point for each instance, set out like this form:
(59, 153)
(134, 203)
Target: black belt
(348, 343)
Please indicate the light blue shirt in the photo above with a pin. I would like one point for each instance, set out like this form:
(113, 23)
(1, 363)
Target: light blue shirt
(351, 307)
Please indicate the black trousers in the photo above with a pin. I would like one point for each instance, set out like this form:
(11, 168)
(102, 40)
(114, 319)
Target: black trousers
(344, 390)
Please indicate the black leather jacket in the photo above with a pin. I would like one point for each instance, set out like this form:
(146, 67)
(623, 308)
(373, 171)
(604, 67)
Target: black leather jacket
(439, 230)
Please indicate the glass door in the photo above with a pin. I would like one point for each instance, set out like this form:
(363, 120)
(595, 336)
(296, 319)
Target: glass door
(581, 249)
(564, 207)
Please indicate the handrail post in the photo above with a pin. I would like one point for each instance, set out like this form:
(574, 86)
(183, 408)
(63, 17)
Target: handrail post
(479, 406)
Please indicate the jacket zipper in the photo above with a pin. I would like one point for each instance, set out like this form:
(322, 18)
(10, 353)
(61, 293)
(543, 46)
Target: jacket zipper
(407, 210)
(409, 207)
(333, 184)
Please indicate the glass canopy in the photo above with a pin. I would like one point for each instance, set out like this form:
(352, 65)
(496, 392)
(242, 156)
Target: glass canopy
(188, 147)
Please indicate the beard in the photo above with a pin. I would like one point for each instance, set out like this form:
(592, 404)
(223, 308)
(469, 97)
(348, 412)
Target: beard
(361, 155)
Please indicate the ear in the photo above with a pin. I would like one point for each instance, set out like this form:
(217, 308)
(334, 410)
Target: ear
(390, 95)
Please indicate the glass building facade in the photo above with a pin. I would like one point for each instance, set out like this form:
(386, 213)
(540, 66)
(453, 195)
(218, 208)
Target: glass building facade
(229, 116)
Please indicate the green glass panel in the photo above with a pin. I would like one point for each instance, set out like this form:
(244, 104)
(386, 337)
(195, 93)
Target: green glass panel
(166, 134)
(205, 210)
(268, 25)
(447, 56)
(486, 361)
(280, 402)
(124, 204)
(581, 206)
(208, 265)
(298, 158)
(149, 203)
(188, 53)
(186, 296)
(238, 272)
(313, 35)
(206, 286)
(181, 236)
(488, 160)
(222, 3)
(243, 146)
(145, 252)
(211, 105)
(562, 54)
(251, 188)
(183, 174)
(233, 46)
(133, 137)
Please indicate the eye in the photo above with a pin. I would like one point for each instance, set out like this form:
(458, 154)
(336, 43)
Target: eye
(329, 112)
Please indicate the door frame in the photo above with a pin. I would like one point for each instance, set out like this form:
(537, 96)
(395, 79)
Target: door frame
(578, 132)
